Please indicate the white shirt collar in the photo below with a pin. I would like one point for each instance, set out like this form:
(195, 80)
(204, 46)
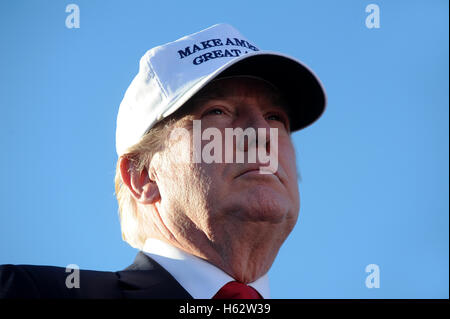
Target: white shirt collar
(200, 278)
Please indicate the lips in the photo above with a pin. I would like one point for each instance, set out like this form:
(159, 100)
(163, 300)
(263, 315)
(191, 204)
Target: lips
(249, 171)
(256, 170)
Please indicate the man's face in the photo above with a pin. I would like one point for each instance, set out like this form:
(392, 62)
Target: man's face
(222, 200)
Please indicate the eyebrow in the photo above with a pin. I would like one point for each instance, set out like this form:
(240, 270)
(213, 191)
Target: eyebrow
(218, 93)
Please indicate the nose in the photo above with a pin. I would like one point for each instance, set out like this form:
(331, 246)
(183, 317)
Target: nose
(258, 129)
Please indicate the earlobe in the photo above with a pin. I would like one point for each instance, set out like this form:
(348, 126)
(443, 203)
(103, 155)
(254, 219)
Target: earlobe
(141, 186)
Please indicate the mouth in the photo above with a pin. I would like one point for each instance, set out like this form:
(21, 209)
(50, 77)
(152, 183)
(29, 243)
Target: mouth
(249, 172)
(255, 172)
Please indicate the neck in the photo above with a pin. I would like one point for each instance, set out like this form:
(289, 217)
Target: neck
(245, 254)
(243, 250)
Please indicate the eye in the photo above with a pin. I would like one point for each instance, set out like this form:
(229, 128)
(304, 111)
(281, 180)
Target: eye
(276, 117)
(215, 111)
(281, 118)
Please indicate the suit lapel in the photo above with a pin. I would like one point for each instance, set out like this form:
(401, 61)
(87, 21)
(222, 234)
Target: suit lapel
(145, 278)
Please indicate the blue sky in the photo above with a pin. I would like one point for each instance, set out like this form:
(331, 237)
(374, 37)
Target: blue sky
(374, 168)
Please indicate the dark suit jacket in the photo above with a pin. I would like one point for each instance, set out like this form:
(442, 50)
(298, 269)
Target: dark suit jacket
(145, 278)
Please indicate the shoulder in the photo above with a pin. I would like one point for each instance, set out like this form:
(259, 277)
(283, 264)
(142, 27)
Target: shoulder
(30, 281)
(145, 278)
(16, 282)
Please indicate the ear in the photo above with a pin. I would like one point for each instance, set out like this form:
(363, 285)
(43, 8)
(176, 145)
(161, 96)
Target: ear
(144, 189)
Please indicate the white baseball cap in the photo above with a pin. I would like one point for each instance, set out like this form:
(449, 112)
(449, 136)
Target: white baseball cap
(170, 74)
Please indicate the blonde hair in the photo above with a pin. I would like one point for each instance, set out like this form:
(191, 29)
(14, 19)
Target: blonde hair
(135, 228)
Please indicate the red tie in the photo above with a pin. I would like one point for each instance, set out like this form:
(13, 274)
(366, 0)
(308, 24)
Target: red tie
(237, 290)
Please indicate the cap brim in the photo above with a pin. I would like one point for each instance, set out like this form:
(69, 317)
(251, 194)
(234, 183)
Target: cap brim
(301, 88)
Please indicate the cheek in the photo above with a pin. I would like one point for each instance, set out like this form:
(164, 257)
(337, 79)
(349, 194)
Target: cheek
(170, 174)
(184, 184)
(288, 162)
(292, 166)
(287, 158)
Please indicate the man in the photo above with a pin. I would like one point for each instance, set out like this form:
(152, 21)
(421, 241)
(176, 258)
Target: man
(198, 195)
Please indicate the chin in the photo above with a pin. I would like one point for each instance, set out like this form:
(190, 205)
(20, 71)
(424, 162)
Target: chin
(264, 204)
